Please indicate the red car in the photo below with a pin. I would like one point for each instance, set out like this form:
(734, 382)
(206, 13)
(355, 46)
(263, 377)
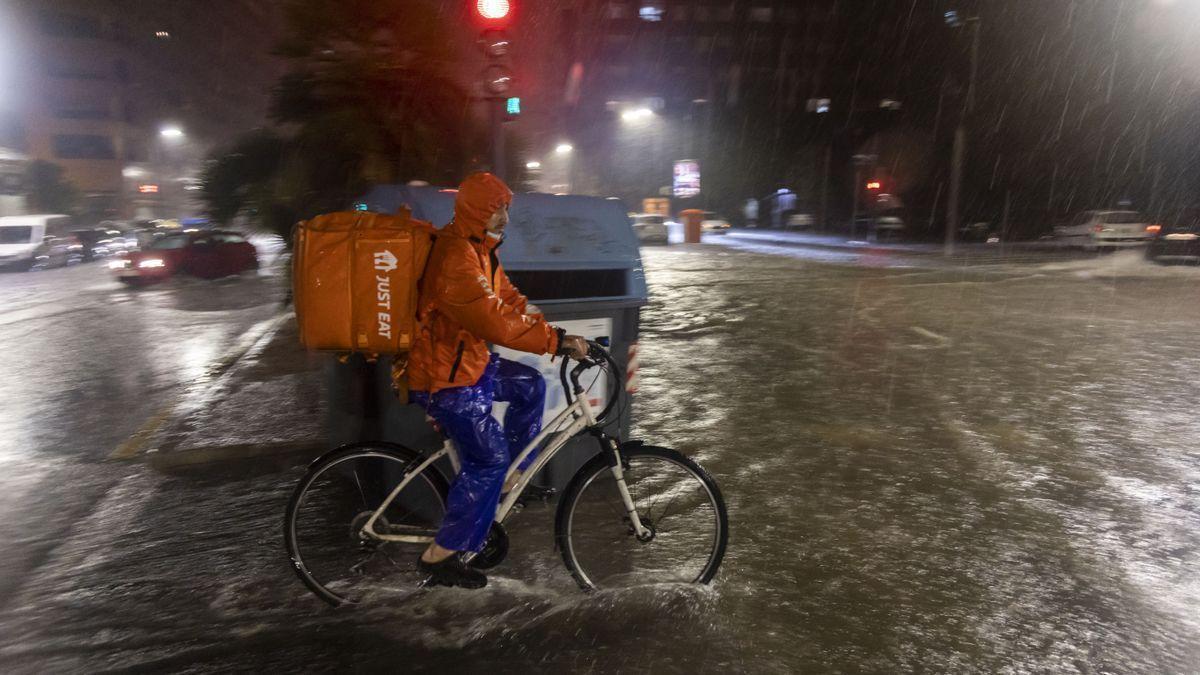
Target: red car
(208, 255)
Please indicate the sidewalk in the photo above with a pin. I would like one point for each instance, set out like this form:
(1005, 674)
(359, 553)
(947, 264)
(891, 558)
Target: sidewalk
(270, 401)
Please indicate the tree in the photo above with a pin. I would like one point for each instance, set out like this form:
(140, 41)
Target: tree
(368, 99)
(49, 191)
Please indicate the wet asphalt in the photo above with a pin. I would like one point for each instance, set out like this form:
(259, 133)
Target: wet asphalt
(930, 465)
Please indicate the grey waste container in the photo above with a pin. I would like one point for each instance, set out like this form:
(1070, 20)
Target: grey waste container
(574, 257)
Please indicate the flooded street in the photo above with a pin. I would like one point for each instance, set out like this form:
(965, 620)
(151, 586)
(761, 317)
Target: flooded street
(928, 466)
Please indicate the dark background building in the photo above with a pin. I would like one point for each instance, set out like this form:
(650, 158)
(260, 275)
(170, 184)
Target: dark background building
(94, 84)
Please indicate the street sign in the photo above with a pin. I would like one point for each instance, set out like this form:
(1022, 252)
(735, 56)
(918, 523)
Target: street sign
(513, 105)
(686, 178)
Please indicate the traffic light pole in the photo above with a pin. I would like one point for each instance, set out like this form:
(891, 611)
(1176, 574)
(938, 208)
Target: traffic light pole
(497, 113)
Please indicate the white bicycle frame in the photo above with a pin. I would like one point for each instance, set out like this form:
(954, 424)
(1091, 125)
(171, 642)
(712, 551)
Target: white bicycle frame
(581, 415)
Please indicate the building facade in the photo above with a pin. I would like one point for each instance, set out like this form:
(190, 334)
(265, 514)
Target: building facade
(128, 97)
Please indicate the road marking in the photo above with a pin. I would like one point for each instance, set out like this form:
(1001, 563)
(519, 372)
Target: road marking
(930, 334)
(137, 442)
(253, 340)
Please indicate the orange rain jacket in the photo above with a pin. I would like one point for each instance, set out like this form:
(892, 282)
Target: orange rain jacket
(467, 300)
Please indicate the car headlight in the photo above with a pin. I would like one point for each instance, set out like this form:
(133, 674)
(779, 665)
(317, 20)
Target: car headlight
(118, 264)
(151, 262)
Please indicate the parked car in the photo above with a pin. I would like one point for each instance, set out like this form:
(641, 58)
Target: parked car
(799, 221)
(1178, 240)
(208, 255)
(1106, 230)
(714, 223)
(650, 228)
(35, 242)
(99, 242)
(979, 232)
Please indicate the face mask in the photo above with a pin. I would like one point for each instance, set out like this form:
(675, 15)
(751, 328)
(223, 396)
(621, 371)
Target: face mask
(495, 235)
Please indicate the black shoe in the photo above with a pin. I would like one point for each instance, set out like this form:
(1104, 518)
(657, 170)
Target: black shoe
(535, 493)
(452, 572)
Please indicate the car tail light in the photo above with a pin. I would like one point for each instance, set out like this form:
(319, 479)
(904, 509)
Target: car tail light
(1154, 229)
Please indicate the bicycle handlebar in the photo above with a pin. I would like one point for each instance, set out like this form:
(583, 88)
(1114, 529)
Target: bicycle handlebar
(597, 356)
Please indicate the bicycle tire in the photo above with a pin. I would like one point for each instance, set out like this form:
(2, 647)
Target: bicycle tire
(404, 457)
(630, 453)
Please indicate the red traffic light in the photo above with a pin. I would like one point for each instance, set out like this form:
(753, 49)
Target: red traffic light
(493, 10)
(874, 185)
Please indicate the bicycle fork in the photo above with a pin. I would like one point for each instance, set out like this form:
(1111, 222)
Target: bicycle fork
(640, 531)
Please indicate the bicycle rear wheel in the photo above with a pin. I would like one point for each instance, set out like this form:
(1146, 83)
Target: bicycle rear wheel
(324, 524)
(674, 497)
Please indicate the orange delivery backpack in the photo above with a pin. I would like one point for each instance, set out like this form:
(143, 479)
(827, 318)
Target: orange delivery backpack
(354, 280)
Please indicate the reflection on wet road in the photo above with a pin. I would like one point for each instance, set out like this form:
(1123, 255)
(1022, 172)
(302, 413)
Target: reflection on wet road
(952, 469)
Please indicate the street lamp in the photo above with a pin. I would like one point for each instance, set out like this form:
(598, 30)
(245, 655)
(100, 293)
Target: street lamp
(171, 132)
(959, 152)
(636, 115)
(533, 165)
(564, 149)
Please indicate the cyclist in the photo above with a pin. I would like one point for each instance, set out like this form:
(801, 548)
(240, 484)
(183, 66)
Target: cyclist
(466, 302)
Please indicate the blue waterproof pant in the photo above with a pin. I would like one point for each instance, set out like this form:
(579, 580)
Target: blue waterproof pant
(465, 414)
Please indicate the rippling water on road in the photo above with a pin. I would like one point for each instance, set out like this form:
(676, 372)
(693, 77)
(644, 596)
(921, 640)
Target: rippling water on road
(936, 469)
(927, 469)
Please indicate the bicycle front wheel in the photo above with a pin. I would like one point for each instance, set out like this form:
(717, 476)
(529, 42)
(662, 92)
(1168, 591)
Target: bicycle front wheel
(332, 550)
(674, 498)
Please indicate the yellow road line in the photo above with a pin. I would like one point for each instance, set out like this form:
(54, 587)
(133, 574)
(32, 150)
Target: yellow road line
(136, 442)
(256, 337)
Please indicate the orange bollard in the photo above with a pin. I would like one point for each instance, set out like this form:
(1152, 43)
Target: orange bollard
(691, 225)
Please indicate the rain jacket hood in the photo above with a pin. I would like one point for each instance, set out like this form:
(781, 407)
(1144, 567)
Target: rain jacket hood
(478, 198)
(466, 299)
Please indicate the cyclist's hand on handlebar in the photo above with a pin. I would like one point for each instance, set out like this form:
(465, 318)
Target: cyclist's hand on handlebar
(573, 346)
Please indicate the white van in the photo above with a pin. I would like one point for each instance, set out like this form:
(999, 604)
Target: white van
(26, 241)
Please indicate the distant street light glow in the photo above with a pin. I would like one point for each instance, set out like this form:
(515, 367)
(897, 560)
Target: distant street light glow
(533, 165)
(636, 114)
(564, 148)
(171, 132)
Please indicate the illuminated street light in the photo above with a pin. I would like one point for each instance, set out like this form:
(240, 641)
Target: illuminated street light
(172, 132)
(636, 114)
(564, 148)
(533, 165)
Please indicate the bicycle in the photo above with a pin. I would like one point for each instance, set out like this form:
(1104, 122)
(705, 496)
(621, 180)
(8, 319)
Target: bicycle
(362, 513)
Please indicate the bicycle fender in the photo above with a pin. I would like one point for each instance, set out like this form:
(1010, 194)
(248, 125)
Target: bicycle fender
(382, 445)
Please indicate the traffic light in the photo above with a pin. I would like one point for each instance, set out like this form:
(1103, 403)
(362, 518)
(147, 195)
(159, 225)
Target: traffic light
(493, 16)
(493, 10)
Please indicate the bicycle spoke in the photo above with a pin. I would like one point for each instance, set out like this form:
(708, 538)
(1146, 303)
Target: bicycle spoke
(360, 490)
